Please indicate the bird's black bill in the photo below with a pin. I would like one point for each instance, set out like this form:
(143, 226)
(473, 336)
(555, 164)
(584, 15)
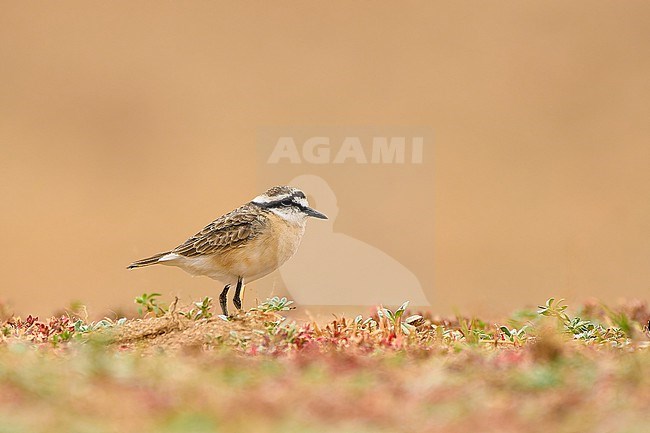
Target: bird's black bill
(314, 213)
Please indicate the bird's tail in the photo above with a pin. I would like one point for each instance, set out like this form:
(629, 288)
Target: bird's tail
(148, 261)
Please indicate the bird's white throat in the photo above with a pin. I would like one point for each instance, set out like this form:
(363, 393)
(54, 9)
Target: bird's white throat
(291, 215)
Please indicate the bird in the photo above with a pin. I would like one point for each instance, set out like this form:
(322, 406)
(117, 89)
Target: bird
(245, 244)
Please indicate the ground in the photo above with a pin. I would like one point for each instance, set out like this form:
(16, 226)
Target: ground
(183, 369)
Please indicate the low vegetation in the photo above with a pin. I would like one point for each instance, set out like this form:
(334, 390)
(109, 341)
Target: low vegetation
(184, 368)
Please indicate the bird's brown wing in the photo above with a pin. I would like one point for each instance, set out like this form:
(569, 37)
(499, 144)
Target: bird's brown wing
(229, 231)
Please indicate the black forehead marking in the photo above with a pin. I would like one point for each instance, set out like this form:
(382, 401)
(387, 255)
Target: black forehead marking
(298, 194)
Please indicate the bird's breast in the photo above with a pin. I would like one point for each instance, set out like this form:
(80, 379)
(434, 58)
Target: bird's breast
(263, 254)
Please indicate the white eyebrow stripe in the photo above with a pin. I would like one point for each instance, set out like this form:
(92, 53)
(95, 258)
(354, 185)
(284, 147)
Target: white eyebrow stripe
(264, 199)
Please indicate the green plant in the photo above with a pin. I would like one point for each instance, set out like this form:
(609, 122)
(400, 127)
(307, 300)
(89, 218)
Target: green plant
(274, 304)
(513, 334)
(405, 326)
(473, 330)
(555, 309)
(149, 304)
(586, 330)
(368, 323)
(62, 337)
(201, 309)
(81, 327)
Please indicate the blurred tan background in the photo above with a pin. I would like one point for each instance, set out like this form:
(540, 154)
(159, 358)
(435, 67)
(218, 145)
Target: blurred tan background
(127, 126)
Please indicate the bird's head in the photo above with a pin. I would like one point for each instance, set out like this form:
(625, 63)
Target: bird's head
(287, 202)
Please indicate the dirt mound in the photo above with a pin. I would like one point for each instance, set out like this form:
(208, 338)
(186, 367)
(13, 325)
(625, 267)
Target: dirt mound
(175, 332)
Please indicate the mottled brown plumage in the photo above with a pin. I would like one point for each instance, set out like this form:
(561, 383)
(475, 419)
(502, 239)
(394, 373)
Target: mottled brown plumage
(229, 231)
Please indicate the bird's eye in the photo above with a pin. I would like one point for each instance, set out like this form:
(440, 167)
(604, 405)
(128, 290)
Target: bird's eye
(287, 202)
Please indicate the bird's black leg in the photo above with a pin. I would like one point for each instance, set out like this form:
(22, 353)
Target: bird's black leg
(237, 300)
(223, 300)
